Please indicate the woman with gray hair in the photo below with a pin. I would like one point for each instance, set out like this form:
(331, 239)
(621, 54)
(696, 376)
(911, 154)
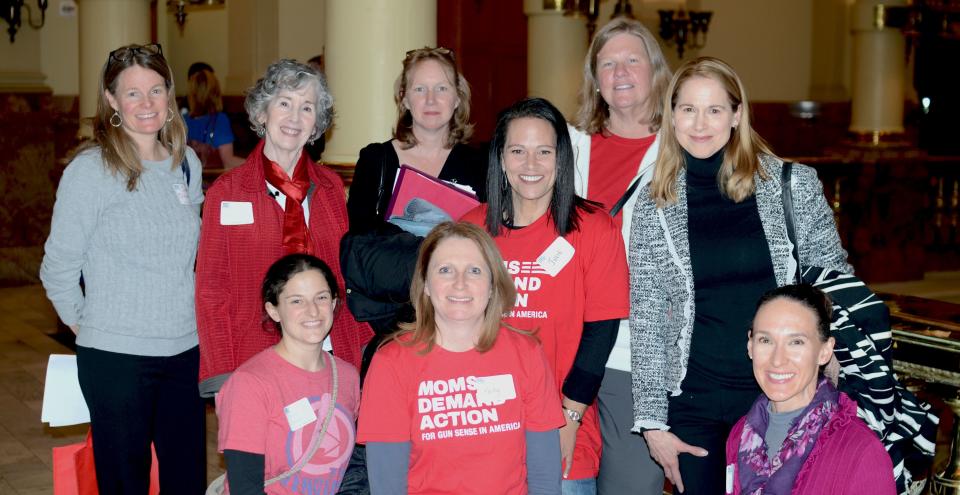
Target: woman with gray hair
(277, 203)
(615, 142)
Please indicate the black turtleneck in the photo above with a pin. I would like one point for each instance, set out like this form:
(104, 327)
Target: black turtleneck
(731, 270)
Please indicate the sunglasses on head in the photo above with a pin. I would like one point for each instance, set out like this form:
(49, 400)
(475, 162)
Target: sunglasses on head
(444, 52)
(126, 53)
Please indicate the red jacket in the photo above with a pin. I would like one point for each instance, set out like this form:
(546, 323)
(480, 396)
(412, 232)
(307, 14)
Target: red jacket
(234, 258)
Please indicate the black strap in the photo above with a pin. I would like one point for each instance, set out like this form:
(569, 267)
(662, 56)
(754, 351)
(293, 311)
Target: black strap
(623, 199)
(185, 169)
(787, 196)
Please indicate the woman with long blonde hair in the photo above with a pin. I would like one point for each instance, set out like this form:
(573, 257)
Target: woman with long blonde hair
(127, 220)
(709, 237)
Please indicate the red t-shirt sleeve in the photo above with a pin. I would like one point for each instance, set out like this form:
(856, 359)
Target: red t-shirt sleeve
(384, 405)
(542, 407)
(606, 278)
(242, 412)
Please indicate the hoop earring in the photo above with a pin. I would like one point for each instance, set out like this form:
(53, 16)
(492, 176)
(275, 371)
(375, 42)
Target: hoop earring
(119, 119)
(170, 113)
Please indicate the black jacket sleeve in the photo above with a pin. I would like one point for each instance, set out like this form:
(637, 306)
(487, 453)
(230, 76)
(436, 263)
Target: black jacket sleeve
(244, 472)
(371, 188)
(583, 380)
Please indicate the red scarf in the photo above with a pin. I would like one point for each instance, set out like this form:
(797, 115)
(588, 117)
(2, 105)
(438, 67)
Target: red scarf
(296, 235)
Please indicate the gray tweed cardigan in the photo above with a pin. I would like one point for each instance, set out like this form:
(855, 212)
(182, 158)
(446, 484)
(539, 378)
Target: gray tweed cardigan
(661, 276)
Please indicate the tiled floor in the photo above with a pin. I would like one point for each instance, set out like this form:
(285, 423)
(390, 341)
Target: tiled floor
(26, 322)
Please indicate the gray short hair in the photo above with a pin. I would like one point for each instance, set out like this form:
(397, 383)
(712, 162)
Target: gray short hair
(290, 75)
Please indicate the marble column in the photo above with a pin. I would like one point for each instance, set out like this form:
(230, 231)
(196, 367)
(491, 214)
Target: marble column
(106, 25)
(879, 71)
(253, 30)
(556, 47)
(366, 41)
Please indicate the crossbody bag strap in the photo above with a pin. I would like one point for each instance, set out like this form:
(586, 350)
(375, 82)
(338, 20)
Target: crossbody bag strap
(315, 441)
(383, 180)
(623, 199)
(185, 168)
(787, 196)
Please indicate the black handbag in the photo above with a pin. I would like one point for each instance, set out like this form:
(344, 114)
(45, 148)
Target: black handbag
(861, 328)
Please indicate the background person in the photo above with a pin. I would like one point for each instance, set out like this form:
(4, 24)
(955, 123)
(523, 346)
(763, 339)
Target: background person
(568, 263)
(127, 219)
(208, 128)
(708, 238)
(504, 439)
(278, 202)
(615, 143)
(801, 436)
(275, 406)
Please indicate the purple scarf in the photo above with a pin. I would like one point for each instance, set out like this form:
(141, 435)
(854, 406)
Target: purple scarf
(760, 475)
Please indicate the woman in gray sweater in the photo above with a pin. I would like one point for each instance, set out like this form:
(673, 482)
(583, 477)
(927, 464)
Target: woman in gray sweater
(127, 220)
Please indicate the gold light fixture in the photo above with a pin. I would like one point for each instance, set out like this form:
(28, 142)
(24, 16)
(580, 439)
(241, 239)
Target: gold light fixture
(687, 29)
(10, 12)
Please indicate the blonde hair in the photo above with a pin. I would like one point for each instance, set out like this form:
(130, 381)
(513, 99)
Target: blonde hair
(204, 96)
(741, 161)
(460, 129)
(119, 152)
(502, 292)
(594, 112)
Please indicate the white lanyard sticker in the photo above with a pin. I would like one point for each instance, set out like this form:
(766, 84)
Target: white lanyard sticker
(495, 390)
(729, 478)
(556, 256)
(236, 213)
(181, 191)
(299, 414)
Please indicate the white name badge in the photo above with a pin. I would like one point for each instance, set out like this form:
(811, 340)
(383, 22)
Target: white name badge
(729, 478)
(299, 414)
(236, 213)
(556, 256)
(181, 191)
(495, 389)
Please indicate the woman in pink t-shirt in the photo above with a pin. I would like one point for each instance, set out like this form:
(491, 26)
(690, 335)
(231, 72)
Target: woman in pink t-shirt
(456, 403)
(287, 415)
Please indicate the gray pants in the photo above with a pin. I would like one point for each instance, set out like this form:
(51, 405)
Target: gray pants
(625, 466)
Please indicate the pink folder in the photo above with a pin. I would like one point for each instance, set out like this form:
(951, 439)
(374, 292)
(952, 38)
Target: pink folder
(412, 183)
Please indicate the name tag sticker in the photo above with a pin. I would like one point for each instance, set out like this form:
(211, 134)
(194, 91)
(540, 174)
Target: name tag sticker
(556, 256)
(495, 390)
(299, 414)
(181, 191)
(729, 478)
(236, 213)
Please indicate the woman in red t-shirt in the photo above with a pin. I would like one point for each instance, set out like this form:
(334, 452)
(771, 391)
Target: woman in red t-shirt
(455, 403)
(567, 259)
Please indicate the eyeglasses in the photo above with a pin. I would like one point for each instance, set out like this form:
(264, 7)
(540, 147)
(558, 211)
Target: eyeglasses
(426, 52)
(124, 54)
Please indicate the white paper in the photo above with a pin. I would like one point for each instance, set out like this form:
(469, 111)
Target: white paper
(63, 403)
(556, 256)
(495, 390)
(299, 414)
(236, 213)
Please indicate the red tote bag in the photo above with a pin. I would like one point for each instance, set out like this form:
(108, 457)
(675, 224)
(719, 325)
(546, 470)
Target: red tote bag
(75, 474)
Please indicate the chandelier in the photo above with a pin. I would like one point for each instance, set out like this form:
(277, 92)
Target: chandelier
(687, 29)
(10, 12)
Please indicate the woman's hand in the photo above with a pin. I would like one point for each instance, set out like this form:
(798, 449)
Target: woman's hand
(568, 440)
(665, 447)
